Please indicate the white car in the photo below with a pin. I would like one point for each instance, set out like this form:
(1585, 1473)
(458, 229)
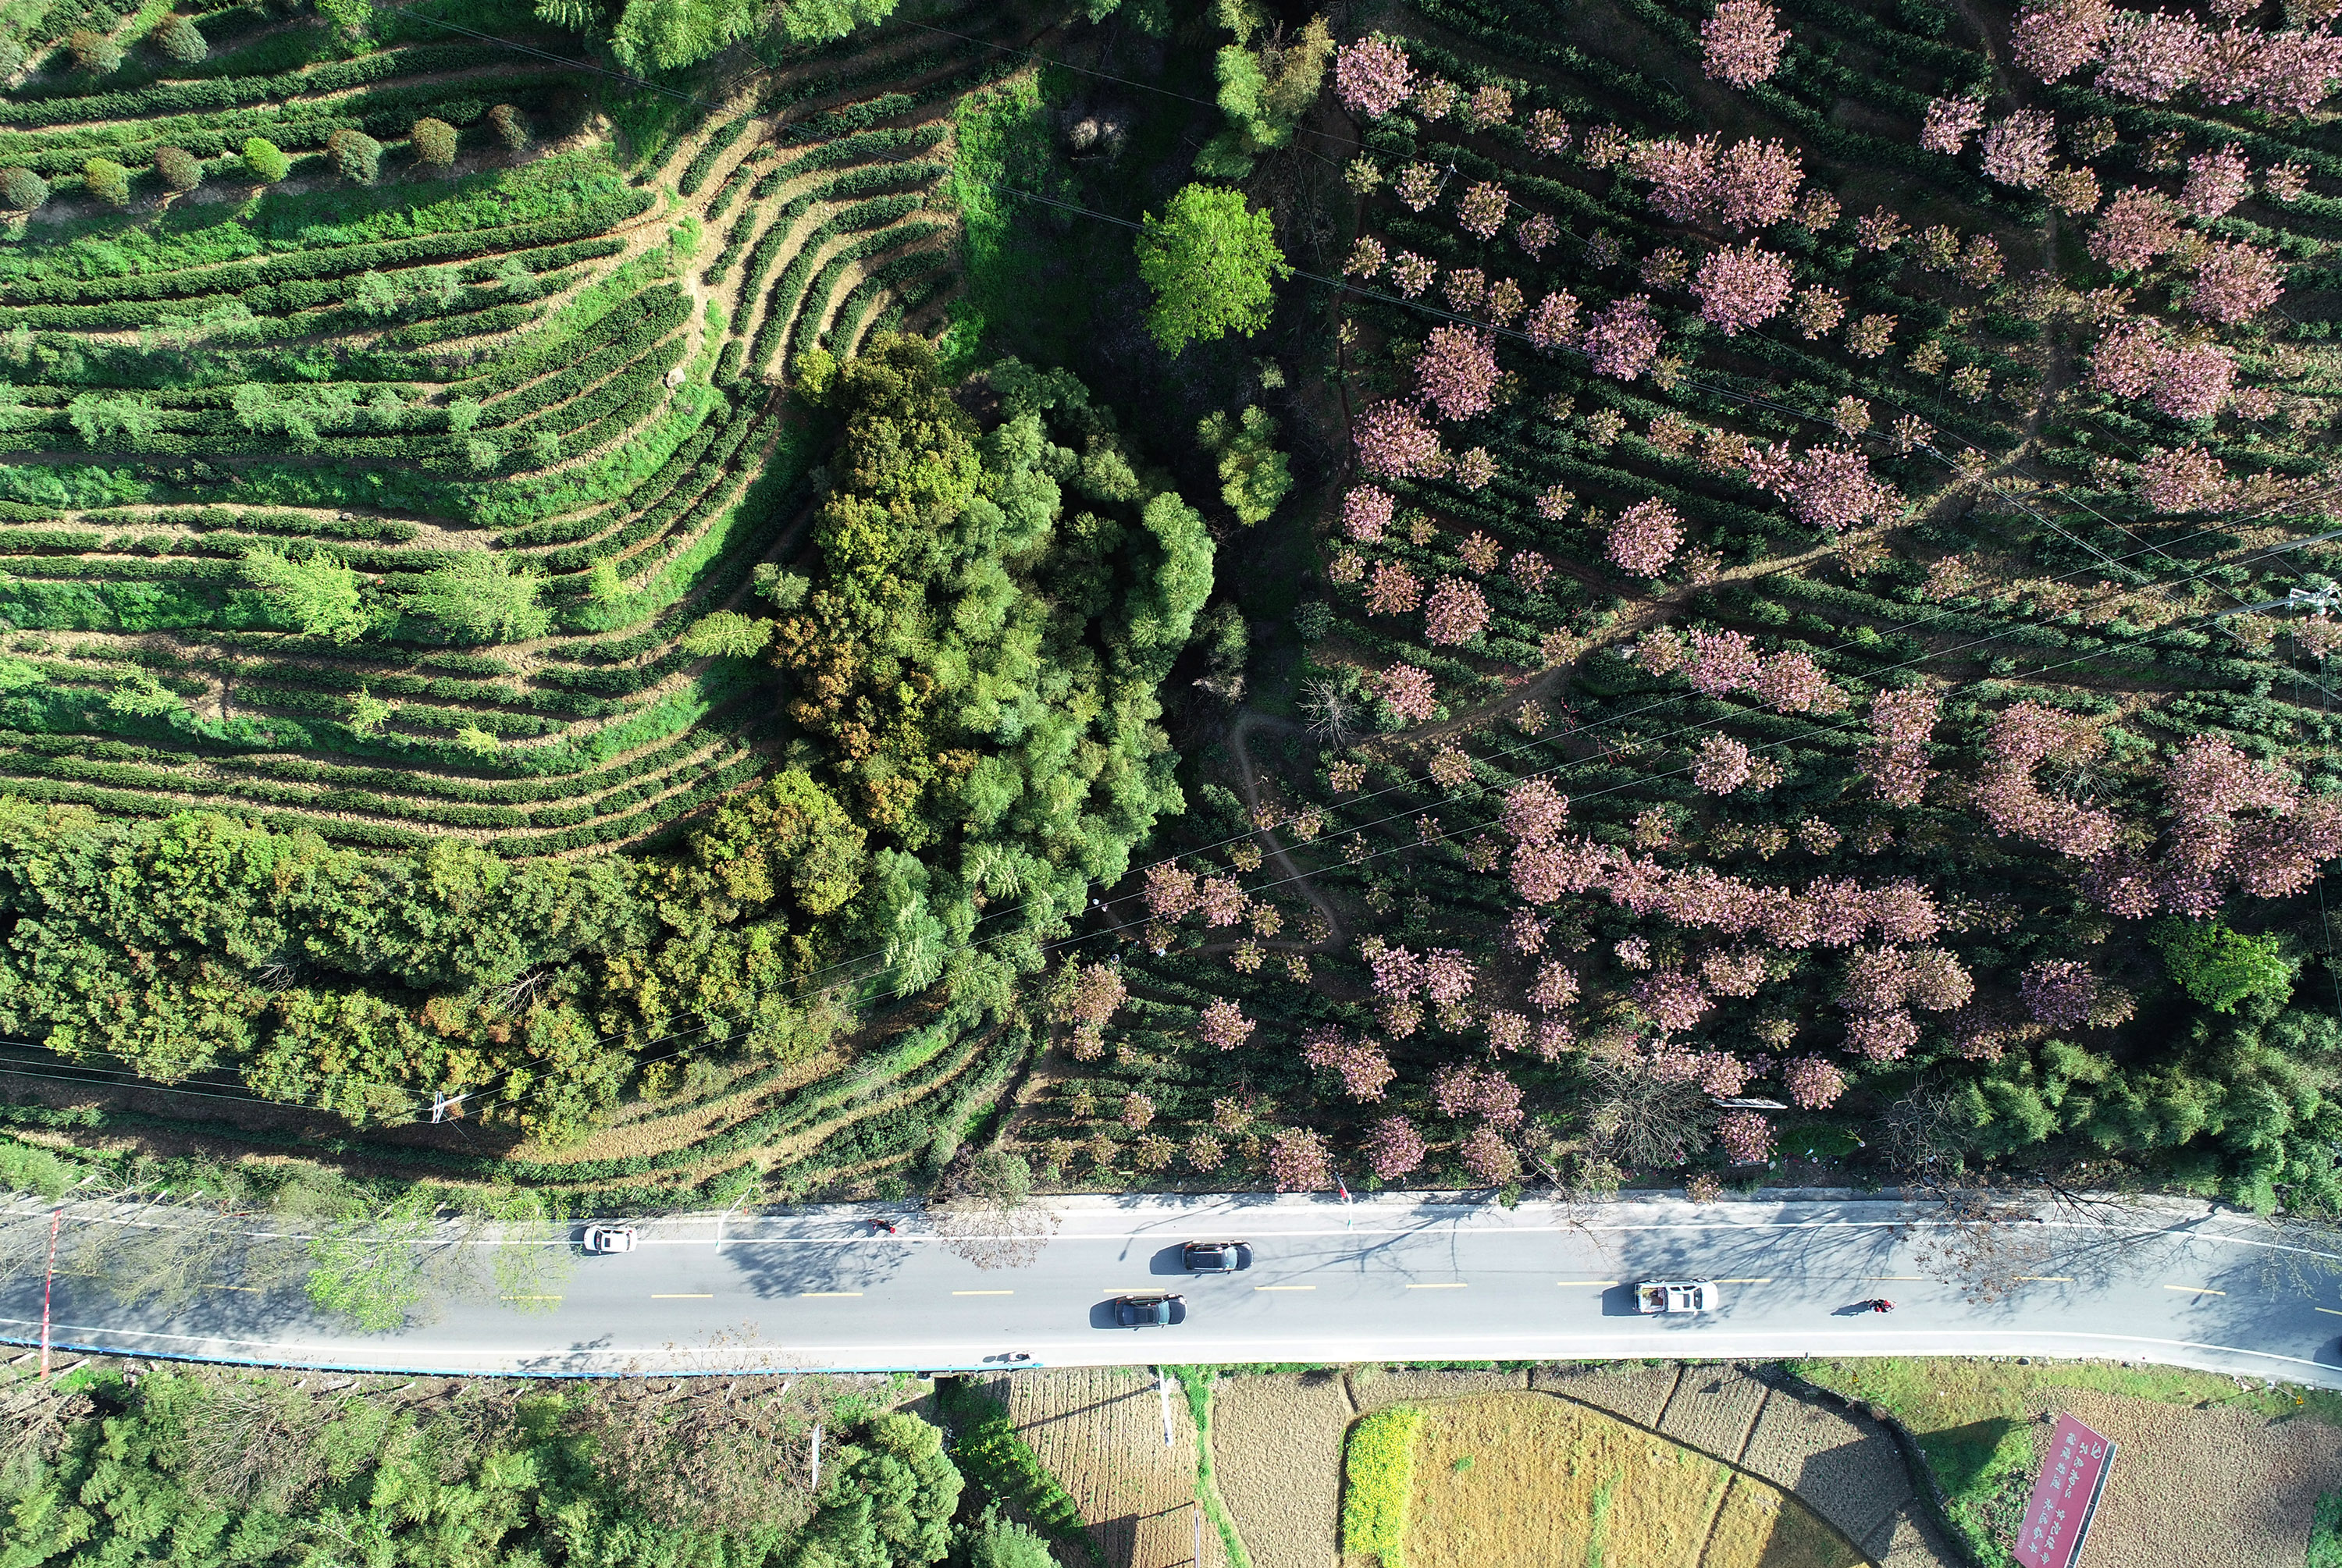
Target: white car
(1676, 1296)
(609, 1238)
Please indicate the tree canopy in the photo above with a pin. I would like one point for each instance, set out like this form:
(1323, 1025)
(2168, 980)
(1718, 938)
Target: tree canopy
(1213, 264)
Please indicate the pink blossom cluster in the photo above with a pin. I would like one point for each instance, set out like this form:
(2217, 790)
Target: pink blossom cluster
(2059, 991)
(1645, 538)
(1622, 340)
(1750, 184)
(1489, 105)
(1394, 590)
(1530, 570)
(1534, 233)
(1362, 1065)
(1170, 892)
(2216, 182)
(1831, 912)
(1814, 1082)
(1901, 720)
(1298, 1162)
(1720, 765)
(1411, 273)
(2234, 283)
(1366, 511)
(1547, 134)
(1737, 289)
(1554, 320)
(1882, 1036)
(1792, 683)
(2137, 226)
(1883, 979)
(1457, 371)
(1393, 1148)
(1509, 1031)
(1461, 1089)
(1394, 442)
(1740, 44)
(1480, 210)
(2023, 736)
(1366, 260)
(2021, 150)
(2152, 55)
(1723, 662)
(1534, 812)
(1223, 1026)
(2189, 480)
(1447, 975)
(1408, 692)
(1744, 1136)
(2210, 847)
(1097, 993)
(1672, 1000)
(1487, 1158)
(1733, 972)
(1555, 988)
(1949, 122)
(2139, 359)
(1221, 901)
(1523, 930)
(1372, 76)
(1827, 488)
(1466, 288)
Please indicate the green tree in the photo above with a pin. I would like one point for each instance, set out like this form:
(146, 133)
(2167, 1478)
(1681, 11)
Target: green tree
(23, 189)
(178, 168)
(2222, 968)
(264, 161)
(478, 595)
(180, 40)
(435, 143)
(140, 695)
(1265, 92)
(1008, 1545)
(319, 593)
(376, 295)
(368, 713)
(101, 420)
(510, 126)
(94, 51)
(357, 155)
(106, 181)
(725, 634)
(1213, 266)
(1254, 475)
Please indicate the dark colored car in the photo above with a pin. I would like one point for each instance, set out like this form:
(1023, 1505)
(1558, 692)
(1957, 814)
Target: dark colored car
(1216, 1257)
(1144, 1312)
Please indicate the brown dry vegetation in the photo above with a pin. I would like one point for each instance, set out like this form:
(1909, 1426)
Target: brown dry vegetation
(1277, 1453)
(1528, 1479)
(1100, 1431)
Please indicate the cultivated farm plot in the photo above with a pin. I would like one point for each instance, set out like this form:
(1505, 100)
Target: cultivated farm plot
(1519, 1479)
(1277, 1455)
(1100, 1431)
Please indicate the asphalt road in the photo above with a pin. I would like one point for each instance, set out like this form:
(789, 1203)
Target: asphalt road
(1390, 1278)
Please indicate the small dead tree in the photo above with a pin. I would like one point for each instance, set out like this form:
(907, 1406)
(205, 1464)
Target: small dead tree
(984, 1212)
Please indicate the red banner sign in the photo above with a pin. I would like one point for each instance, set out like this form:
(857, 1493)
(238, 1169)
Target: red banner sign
(2056, 1518)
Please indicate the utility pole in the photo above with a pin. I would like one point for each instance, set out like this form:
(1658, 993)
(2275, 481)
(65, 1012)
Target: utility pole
(57, 1220)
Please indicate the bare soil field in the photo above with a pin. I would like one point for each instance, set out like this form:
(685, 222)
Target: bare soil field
(1100, 1430)
(1506, 1478)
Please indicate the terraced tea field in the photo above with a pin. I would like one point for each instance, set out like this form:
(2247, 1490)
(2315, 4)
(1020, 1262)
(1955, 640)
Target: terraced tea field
(525, 401)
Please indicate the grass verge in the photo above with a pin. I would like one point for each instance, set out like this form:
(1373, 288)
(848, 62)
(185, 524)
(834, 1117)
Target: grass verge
(1197, 1381)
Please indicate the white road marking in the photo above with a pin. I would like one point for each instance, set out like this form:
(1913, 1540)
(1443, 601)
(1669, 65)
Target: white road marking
(2196, 1290)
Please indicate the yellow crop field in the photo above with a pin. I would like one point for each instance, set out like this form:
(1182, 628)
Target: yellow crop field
(1516, 1479)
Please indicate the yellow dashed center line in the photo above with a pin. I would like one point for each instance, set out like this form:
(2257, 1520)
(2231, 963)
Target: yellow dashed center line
(529, 1298)
(1285, 1287)
(2045, 1279)
(983, 1293)
(1765, 1281)
(2328, 1311)
(1455, 1286)
(1871, 1278)
(1603, 1285)
(830, 1293)
(682, 1296)
(2196, 1290)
